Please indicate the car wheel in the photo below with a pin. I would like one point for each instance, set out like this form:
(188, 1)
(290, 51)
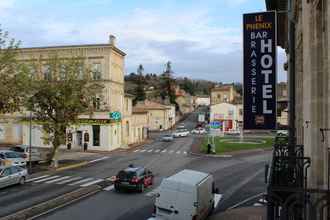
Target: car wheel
(22, 181)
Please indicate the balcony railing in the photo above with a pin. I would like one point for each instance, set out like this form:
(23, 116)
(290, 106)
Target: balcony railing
(288, 196)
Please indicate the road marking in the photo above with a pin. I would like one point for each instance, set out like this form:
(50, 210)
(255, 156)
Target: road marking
(163, 151)
(178, 152)
(37, 178)
(257, 204)
(185, 152)
(246, 200)
(217, 198)
(99, 159)
(70, 180)
(91, 183)
(150, 151)
(58, 179)
(45, 179)
(156, 151)
(143, 151)
(171, 151)
(152, 193)
(136, 151)
(109, 188)
(81, 181)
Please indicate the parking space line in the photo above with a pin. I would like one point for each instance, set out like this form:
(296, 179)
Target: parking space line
(37, 178)
(91, 183)
(45, 179)
(81, 181)
(58, 179)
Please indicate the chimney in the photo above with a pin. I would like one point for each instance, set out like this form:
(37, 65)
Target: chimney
(112, 40)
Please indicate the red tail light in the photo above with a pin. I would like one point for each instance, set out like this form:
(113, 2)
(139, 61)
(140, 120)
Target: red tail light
(135, 179)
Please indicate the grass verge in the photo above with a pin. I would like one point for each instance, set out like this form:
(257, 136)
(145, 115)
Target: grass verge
(231, 144)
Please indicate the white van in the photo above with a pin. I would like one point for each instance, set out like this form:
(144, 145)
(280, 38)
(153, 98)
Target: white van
(186, 195)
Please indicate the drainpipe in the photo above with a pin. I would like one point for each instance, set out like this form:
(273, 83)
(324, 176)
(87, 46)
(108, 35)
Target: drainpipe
(291, 79)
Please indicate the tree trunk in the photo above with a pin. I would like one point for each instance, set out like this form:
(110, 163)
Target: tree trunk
(54, 154)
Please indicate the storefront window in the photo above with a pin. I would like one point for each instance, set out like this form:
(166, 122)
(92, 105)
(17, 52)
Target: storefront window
(96, 135)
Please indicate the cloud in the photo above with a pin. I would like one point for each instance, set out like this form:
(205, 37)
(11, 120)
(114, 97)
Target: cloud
(196, 46)
(5, 5)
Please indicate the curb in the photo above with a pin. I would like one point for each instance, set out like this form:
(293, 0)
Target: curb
(36, 210)
(211, 155)
(71, 166)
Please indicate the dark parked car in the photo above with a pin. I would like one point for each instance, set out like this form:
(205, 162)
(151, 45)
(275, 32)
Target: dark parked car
(137, 178)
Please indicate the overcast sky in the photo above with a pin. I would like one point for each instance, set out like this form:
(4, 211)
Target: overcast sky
(202, 38)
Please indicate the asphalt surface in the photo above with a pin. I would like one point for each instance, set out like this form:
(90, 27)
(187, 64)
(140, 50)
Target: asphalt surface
(237, 178)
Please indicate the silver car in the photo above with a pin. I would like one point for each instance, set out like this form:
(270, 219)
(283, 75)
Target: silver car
(12, 175)
(168, 137)
(24, 150)
(12, 158)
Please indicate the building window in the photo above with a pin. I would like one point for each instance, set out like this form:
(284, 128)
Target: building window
(63, 72)
(240, 111)
(81, 71)
(96, 71)
(46, 72)
(96, 135)
(96, 103)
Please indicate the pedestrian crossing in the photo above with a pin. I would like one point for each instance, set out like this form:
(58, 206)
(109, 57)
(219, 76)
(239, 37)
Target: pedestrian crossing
(66, 180)
(161, 151)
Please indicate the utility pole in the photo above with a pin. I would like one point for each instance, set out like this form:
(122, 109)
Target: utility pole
(30, 143)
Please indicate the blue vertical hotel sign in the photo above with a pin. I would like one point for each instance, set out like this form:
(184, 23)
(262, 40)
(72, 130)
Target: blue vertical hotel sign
(259, 49)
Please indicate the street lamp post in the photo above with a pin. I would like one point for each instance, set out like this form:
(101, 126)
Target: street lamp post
(30, 143)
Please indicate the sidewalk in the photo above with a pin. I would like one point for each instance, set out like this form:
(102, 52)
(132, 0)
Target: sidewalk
(246, 213)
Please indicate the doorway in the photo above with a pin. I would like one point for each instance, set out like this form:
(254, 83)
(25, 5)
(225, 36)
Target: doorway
(79, 138)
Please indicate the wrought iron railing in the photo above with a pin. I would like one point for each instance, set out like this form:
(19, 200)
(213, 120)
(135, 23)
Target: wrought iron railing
(287, 194)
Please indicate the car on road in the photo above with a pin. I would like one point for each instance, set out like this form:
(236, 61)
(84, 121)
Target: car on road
(137, 178)
(24, 150)
(12, 158)
(188, 194)
(167, 138)
(12, 175)
(181, 133)
(199, 130)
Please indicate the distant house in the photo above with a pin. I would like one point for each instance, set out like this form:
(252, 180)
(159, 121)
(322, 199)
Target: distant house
(225, 93)
(230, 115)
(160, 117)
(202, 100)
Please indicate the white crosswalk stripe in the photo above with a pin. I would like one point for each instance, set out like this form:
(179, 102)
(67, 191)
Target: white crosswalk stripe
(70, 180)
(45, 179)
(157, 150)
(37, 178)
(150, 151)
(136, 151)
(163, 151)
(171, 151)
(81, 181)
(143, 151)
(185, 152)
(109, 188)
(91, 183)
(58, 179)
(178, 152)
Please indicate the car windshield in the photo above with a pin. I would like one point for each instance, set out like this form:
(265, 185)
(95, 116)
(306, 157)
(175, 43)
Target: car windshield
(11, 155)
(17, 149)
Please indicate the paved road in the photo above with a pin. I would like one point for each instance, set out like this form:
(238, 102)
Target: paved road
(237, 178)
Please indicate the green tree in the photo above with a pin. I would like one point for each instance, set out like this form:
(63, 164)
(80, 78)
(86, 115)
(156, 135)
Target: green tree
(65, 91)
(167, 84)
(13, 76)
(140, 94)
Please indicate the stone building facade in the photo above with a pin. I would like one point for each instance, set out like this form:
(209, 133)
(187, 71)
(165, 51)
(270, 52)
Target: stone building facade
(100, 131)
(312, 80)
